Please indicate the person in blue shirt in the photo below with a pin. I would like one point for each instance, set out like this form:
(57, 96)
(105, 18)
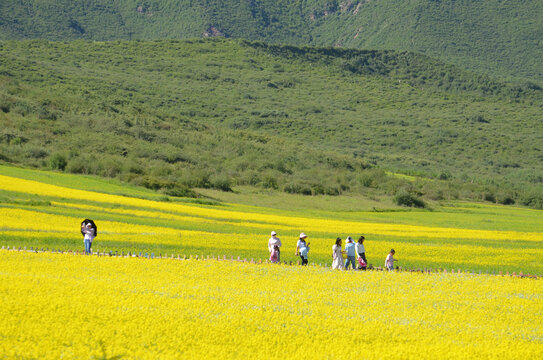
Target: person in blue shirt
(351, 253)
(303, 254)
(300, 244)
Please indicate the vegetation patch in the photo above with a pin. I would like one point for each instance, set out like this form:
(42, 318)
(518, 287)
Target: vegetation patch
(176, 115)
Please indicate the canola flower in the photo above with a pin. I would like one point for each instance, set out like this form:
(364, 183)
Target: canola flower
(22, 223)
(187, 228)
(81, 307)
(317, 225)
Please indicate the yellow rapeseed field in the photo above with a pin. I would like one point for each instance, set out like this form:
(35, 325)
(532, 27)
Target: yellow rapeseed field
(183, 228)
(265, 221)
(61, 306)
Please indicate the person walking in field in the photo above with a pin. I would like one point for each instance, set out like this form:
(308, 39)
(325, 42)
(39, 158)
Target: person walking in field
(389, 262)
(300, 244)
(274, 241)
(361, 253)
(274, 255)
(351, 254)
(89, 230)
(337, 255)
(304, 250)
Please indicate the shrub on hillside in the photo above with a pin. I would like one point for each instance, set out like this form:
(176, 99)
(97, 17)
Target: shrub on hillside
(270, 182)
(154, 183)
(179, 191)
(532, 199)
(57, 162)
(332, 190)
(37, 152)
(445, 175)
(45, 114)
(372, 178)
(78, 165)
(297, 188)
(221, 183)
(404, 198)
(5, 105)
(507, 200)
(489, 196)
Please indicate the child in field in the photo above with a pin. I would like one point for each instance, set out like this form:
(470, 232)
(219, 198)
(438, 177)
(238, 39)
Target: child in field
(274, 255)
(361, 253)
(389, 262)
(304, 250)
(272, 243)
(362, 265)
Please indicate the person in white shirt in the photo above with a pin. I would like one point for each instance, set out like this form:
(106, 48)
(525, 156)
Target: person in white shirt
(304, 250)
(389, 262)
(274, 241)
(360, 250)
(337, 255)
(301, 243)
(89, 236)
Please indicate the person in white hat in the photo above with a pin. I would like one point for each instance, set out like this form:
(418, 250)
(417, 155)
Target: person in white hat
(304, 250)
(301, 244)
(274, 241)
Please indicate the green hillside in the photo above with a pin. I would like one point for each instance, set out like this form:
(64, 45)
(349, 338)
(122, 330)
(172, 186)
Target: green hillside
(174, 115)
(501, 38)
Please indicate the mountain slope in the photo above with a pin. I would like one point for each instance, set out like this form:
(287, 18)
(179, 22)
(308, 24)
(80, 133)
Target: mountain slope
(491, 36)
(218, 113)
(501, 38)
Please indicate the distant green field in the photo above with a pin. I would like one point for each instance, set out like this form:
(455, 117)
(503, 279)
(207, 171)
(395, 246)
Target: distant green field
(41, 209)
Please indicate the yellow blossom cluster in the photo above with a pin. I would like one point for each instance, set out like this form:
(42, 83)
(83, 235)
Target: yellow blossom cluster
(66, 306)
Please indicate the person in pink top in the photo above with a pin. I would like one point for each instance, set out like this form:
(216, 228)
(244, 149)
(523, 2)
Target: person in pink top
(274, 255)
(90, 233)
(389, 262)
(274, 241)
